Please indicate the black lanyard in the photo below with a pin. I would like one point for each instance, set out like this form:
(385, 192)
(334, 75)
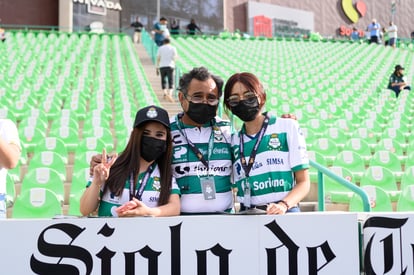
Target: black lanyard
(193, 148)
(144, 182)
(248, 167)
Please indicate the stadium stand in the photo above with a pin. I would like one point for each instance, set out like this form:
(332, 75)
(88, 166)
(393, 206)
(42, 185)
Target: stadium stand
(62, 85)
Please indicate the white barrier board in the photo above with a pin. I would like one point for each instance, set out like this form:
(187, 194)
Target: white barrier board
(304, 243)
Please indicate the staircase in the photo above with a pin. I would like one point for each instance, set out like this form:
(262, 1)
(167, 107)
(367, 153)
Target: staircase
(173, 108)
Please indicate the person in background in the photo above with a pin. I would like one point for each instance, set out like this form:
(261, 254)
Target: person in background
(175, 27)
(139, 181)
(270, 168)
(2, 35)
(10, 151)
(161, 31)
(138, 27)
(166, 56)
(386, 36)
(192, 28)
(354, 34)
(374, 30)
(392, 34)
(397, 82)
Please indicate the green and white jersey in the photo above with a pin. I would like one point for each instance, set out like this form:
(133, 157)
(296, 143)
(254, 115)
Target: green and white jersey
(188, 169)
(109, 202)
(281, 152)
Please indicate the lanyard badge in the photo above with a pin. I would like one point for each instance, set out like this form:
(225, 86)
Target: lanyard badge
(247, 194)
(208, 187)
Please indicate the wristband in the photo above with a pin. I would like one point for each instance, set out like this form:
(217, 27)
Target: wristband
(285, 203)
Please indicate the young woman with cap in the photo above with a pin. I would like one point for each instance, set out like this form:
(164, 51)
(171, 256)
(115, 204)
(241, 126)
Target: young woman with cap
(270, 168)
(139, 181)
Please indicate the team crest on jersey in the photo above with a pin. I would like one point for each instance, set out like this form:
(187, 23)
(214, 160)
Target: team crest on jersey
(217, 133)
(274, 142)
(156, 185)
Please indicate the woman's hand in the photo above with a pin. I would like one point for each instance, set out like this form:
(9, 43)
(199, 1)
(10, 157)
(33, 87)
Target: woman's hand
(101, 170)
(133, 208)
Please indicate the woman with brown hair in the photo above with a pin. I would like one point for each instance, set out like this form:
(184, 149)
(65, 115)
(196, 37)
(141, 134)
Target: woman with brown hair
(270, 168)
(138, 182)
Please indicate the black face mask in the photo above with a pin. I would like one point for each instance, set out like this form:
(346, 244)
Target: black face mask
(246, 111)
(201, 113)
(152, 148)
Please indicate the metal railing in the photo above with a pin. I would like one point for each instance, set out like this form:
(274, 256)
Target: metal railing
(321, 188)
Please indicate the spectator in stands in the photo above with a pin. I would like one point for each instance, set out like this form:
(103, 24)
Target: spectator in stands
(139, 181)
(386, 36)
(374, 30)
(138, 26)
(175, 27)
(9, 156)
(166, 56)
(392, 34)
(2, 34)
(397, 82)
(270, 169)
(192, 28)
(354, 34)
(161, 31)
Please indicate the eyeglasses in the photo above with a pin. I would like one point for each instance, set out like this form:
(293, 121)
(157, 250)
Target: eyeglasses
(199, 98)
(248, 97)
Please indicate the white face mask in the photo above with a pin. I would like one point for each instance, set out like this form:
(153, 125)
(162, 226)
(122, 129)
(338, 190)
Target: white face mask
(163, 27)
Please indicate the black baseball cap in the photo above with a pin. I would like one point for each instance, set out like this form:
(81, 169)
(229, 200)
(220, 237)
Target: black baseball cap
(399, 67)
(152, 113)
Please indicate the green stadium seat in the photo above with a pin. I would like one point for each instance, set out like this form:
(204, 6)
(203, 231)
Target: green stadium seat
(391, 145)
(44, 177)
(353, 162)
(382, 177)
(54, 144)
(334, 191)
(49, 159)
(74, 204)
(317, 157)
(389, 160)
(36, 203)
(359, 146)
(367, 135)
(406, 200)
(408, 177)
(326, 147)
(337, 135)
(70, 136)
(379, 200)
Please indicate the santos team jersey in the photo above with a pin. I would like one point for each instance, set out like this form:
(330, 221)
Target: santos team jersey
(189, 171)
(282, 151)
(109, 202)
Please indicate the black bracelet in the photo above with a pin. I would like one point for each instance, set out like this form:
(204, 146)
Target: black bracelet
(285, 203)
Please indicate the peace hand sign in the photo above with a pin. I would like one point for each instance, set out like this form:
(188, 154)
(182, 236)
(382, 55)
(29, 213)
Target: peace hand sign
(101, 171)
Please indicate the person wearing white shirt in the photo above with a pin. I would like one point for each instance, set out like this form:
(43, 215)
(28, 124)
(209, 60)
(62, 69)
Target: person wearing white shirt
(392, 34)
(166, 56)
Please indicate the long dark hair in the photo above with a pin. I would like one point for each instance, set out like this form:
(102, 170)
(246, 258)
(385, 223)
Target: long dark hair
(129, 161)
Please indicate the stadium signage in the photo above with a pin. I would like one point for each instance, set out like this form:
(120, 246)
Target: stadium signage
(100, 4)
(389, 245)
(193, 245)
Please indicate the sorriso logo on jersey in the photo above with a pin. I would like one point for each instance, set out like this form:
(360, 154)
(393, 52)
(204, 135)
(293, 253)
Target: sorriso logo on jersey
(354, 12)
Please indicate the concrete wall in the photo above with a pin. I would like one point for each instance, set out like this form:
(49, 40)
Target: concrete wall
(329, 15)
(23, 12)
